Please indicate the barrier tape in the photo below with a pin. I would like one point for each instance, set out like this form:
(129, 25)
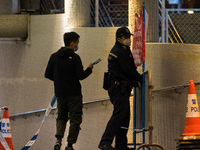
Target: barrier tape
(2, 140)
(33, 139)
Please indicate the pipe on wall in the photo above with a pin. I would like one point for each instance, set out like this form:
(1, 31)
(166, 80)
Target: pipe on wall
(14, 26)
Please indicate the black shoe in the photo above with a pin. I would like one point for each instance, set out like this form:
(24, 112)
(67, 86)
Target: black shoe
(58, 145)
(106, 147)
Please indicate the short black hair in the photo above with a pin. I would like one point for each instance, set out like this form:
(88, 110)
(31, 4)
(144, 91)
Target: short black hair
(70, 37)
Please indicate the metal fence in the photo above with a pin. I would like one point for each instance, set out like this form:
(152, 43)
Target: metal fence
(182, 26)
(110, 13)
(175, 25)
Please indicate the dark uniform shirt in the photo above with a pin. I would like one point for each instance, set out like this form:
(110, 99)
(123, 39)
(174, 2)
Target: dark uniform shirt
(65, 69)
(121, 64)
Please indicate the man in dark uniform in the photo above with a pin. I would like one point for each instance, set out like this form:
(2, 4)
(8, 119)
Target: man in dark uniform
(123, 76)
(65, 69)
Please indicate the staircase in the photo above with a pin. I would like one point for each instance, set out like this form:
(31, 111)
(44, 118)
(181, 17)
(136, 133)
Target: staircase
(111, 13)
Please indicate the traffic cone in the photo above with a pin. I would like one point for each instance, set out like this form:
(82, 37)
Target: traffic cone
(192, 122)
(5, 129)
(190, 138)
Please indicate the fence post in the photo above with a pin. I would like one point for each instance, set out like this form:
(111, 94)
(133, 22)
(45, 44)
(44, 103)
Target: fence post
(166, 25)
(96, 13)
(163, 21)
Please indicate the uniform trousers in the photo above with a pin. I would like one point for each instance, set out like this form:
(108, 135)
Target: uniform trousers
(118, 124)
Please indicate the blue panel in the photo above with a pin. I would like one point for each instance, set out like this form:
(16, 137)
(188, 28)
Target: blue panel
(173, 2)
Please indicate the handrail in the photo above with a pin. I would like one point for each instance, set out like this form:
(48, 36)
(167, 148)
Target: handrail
(103, 22)
(43, 110)
(103, 100)
(162, 17)
(170, 20)
(175, 9)
(170, 38)
(92, 13)
(173, 87)
(173, 34)
(102, 19)
(107, 13)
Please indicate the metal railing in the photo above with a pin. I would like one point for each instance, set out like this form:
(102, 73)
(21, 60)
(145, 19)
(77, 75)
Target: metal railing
(105, 16)
(176, 26)
(104, 19)
(166, 25)
(161, 10)
(181, 27)
(173, 34)
(43, 110)
(103, 100)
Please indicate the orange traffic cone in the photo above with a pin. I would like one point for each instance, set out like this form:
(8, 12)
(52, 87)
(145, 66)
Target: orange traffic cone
(5, 129)
(190, 138)
(192, 122)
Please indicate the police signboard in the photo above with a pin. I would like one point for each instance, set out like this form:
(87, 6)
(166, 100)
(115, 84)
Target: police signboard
(173, 1)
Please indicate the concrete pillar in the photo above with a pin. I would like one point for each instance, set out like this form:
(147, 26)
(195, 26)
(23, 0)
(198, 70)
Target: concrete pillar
(134, 7)
(9, 7)
(77, 13)
(152, 10)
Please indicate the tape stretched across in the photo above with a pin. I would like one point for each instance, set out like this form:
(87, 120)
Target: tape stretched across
(33, 139)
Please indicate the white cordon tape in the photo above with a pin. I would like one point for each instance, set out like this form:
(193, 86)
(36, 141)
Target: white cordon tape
(33, 139)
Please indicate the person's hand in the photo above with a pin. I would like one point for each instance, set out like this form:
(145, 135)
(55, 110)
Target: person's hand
(90, 66)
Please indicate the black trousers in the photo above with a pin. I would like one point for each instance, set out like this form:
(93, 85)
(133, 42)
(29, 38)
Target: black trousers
(119, 122)
(69, 108)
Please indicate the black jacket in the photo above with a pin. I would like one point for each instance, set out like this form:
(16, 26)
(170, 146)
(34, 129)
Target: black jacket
(65, 69)
(121, 64)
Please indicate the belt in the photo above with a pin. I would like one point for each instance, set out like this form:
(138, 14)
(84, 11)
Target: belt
(115, 82)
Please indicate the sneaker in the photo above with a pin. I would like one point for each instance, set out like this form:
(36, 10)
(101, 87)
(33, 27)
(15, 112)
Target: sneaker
(57, 145)
(106, 147)
(69, 148)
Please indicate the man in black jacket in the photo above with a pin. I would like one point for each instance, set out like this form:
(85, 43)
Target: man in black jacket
(123, 76)
(65, 69)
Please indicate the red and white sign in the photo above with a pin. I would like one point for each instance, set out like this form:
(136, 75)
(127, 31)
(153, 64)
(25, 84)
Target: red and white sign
(138, 48)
